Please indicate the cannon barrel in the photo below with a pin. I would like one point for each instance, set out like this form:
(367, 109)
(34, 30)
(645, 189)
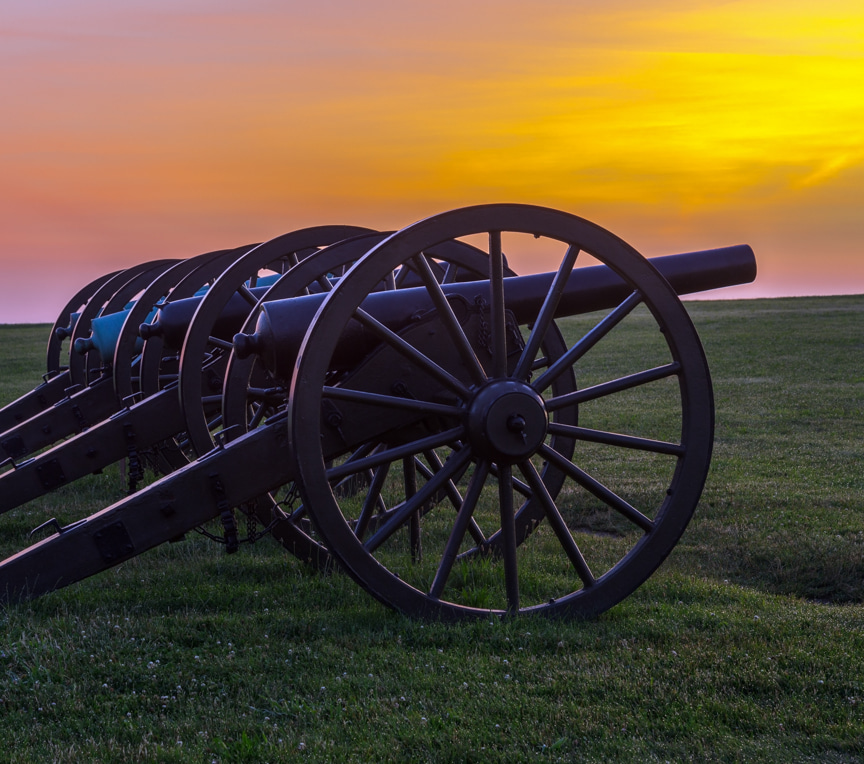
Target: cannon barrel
(282, 323)
(171, 321)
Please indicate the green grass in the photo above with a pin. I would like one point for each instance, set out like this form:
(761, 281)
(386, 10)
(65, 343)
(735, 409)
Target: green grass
(746, 645)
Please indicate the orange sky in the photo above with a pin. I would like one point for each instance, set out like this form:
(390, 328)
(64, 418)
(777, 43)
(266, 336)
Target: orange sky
(161, 128)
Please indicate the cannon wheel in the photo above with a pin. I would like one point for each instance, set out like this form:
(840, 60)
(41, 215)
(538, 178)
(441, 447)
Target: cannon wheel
(201, 349)
(250, 394)
(245, 404)
(158, 364)
(630, 488)
(180, 281)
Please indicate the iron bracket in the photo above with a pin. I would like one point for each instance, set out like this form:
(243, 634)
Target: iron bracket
(53, 523)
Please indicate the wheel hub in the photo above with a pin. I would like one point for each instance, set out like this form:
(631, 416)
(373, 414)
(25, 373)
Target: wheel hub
(507, 421)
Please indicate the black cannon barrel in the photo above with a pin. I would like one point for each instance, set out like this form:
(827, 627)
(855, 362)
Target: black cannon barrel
(283, 323)
(172, 320)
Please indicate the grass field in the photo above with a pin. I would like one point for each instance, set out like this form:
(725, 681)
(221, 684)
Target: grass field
(746, 645)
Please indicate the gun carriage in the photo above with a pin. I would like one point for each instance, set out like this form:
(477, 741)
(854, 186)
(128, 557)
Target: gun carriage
(460, 447)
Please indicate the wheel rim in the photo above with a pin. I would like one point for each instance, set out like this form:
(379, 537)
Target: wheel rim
(594, 575)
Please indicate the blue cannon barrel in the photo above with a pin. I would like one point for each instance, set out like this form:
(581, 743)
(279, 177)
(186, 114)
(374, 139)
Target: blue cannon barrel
(105, 333)
(105, 329)
(283, 323)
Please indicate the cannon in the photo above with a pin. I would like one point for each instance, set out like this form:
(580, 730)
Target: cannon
(121, 369)
(160, 413)
(508, 445)
(81, 393)
(59, 378)
(170, 428)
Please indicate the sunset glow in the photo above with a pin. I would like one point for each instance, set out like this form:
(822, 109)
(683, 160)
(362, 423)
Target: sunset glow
(140, 130)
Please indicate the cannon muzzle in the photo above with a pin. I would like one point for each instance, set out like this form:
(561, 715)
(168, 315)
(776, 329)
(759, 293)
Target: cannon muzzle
(283, 323)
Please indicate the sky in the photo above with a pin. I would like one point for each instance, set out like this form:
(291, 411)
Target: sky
(165, 128)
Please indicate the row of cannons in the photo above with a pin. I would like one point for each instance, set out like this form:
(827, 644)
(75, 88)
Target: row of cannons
(462, 440)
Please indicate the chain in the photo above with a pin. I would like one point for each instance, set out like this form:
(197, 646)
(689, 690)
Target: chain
(136, 468)
(253, 532)
(484, 338)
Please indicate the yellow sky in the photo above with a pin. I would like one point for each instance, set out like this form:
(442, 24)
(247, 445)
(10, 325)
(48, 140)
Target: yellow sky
(168, 128)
